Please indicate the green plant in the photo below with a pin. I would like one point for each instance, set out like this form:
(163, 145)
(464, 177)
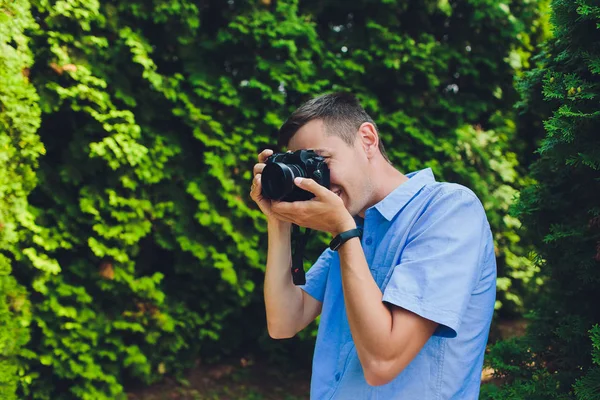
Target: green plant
(556, 359)
(20, 148)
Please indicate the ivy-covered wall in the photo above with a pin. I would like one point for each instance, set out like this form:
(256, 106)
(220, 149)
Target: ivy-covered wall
(20, 148)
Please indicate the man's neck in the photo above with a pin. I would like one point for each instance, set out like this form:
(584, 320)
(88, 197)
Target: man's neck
(385, 183)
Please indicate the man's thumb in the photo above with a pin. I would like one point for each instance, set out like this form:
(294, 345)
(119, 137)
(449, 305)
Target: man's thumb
(307, 184)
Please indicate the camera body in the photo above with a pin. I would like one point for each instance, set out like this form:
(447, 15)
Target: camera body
(282, 168)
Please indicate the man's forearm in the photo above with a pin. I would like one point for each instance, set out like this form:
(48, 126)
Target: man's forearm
(370, 320)
(283, 299)
(386, 339)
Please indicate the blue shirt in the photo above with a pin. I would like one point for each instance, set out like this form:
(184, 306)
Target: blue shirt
(430, 250)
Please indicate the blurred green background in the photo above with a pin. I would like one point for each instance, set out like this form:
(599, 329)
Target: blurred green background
(131, 255)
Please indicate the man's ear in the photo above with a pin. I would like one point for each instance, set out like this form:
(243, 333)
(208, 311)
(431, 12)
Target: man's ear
(369, 139)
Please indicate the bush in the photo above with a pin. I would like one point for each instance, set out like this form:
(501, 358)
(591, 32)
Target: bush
(557, 359)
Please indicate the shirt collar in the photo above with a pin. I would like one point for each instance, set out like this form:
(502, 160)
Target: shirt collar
(399, 197)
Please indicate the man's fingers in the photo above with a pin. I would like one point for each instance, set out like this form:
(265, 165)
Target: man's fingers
(258, 168)
(285, 208)
(255, 189)
(281, 217)
(311, 186)
(264, 155)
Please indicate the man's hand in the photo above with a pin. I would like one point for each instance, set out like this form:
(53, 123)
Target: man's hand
(256, 189)
(324, 212)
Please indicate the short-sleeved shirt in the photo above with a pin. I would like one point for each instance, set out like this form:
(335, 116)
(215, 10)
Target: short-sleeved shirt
(430, 250)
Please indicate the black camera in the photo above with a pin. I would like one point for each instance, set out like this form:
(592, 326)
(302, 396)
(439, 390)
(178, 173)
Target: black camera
(281, 169)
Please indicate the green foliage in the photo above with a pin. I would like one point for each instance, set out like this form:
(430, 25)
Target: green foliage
(588, 387)
(19, 149)
(131, 218)
(561, 211)
(143, 250)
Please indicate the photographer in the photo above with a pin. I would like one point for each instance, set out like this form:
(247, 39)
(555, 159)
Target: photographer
(406, 290)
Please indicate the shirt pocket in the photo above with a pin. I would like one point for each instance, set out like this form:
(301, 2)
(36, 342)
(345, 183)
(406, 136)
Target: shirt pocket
(352, 385)
(342, 364)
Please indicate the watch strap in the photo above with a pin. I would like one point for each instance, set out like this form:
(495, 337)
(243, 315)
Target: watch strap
(344, 237)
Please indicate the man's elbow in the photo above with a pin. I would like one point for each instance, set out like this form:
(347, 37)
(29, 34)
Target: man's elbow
(374, 378)
(281, 335)
(379, 373)
(278, 333)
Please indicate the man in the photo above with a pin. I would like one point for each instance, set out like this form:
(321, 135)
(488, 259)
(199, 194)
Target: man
(406, 308)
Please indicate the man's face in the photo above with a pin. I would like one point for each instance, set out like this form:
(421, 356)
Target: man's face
(348, 165)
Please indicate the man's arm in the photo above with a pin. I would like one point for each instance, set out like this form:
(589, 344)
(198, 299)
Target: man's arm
(386, 339)
(289, 309)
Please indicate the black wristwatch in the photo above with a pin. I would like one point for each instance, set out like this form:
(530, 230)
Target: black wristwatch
(344, 237)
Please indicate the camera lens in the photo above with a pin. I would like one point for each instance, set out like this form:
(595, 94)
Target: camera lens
(278, 179)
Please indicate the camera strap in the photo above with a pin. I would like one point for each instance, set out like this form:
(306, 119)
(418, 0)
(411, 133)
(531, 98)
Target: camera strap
(298, 275)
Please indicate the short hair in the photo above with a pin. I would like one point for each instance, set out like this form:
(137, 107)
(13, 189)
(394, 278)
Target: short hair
(340, 112)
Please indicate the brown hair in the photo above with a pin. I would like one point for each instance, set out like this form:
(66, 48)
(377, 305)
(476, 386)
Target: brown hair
(341, 113)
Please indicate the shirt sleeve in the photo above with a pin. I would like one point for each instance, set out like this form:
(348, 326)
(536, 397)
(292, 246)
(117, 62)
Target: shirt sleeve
(316, 277)
(441, 262)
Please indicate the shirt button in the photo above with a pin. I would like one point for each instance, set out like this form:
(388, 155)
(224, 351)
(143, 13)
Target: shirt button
(368, 241)
(337, 376)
